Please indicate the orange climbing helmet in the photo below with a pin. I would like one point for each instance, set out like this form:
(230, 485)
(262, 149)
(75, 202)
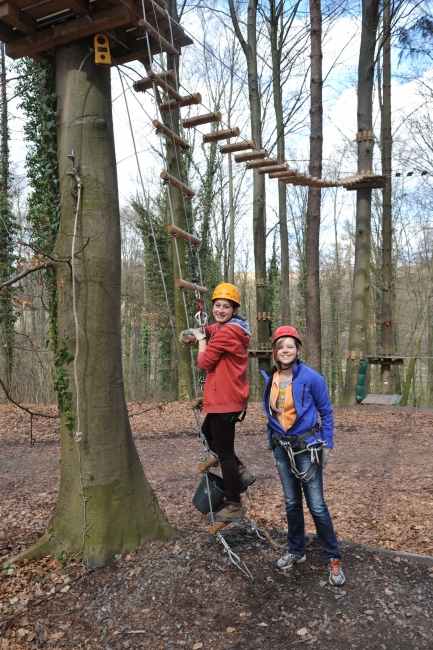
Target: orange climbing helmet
(227, 291)
(286, 330)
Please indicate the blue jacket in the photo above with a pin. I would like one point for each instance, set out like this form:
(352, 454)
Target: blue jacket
(311, 399)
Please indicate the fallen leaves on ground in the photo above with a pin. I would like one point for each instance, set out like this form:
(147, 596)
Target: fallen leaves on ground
(378, 486)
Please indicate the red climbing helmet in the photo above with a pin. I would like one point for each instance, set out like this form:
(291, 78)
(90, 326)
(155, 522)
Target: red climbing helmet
(286, 330)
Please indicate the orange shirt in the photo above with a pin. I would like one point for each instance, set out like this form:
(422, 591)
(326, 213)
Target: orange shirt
(282, 403)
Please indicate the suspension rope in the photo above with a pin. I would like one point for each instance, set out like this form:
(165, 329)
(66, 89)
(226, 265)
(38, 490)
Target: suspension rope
(74, 176)
(232, 556)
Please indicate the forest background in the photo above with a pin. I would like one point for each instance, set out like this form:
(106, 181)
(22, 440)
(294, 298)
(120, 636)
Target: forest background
(216, 67)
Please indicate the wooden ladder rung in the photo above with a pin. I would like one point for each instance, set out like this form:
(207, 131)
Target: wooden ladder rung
(267, 162)
(178, 232)
(162, 83)
(168, 178)
(217, 526)
(159, 126)
(201, 119)
(174, 104)
(158, 38)
(183, 285)
(146, 83)
(282, 175)
(238, 146)
(274, 168)
(252, 155)
(225, 134)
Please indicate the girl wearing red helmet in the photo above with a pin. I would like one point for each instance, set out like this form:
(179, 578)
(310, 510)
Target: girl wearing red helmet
(294, 398)
(223, 353)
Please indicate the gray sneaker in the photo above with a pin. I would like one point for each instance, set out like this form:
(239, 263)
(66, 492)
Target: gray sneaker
(336, 575)
(289, 559)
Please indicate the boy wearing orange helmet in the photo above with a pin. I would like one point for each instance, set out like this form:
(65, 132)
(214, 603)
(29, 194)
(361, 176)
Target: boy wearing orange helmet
(294, 397)
(223, 354)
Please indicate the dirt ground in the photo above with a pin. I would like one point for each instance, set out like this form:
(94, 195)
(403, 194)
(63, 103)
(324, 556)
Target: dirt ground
(186, 593)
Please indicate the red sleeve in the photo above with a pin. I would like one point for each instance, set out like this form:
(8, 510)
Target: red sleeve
(223, 340)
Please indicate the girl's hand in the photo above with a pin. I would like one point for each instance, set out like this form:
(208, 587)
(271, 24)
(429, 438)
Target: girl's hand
(326, 454)
(199, 334)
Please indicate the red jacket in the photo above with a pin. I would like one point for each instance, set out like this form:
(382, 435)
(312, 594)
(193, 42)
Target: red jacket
(225, 359)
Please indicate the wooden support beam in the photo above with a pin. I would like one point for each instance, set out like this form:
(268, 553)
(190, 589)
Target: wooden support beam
(361, 186)
(274, 169)
(168, 178)
(11, 15)
(80, 7)
(165, 45)
(164, 85)
(67, 32)
(252, 155)
(238, 146)
(206, 118)
(159, 126)
(173, 104)
(7, 34)
(178, 232)
(267, 162)
(225, 134)
(189, 286)
(138, 52)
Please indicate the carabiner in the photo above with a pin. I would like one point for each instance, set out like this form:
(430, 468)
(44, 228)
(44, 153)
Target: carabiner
(201, 318)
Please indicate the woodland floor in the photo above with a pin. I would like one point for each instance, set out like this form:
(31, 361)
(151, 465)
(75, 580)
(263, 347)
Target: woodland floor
(185, 593)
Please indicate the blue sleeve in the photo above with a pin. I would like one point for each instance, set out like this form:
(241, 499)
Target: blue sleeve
(324, 406)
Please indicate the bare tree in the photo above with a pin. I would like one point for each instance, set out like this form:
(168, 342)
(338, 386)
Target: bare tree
(361, 273)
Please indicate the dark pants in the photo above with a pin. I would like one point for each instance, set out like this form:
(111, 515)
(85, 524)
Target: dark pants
(220, 436)
(313, 492)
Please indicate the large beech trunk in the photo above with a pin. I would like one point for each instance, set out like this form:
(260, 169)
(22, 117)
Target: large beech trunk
(105, 504)
(361, 271)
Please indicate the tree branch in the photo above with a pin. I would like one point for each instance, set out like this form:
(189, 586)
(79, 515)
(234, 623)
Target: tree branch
(27, 271)
(24, 408)
(242, 41)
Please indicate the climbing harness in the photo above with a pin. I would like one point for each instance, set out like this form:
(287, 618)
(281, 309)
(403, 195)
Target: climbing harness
(302, 447)
(233, 418)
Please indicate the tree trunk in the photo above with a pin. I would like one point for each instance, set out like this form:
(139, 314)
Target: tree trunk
(276, 36)
(259, 208)
(386, 138)
(361, 272)
(105, 504)
(7, 229)
(417, 336)
(312, 249)
(180, 205)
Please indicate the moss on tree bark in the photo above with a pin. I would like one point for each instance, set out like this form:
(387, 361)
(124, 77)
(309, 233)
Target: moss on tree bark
(105, 504)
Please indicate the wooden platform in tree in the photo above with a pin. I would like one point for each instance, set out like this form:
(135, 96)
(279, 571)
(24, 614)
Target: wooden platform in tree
(35, 29)
(382, 400)
(387, 359)
(260, 352)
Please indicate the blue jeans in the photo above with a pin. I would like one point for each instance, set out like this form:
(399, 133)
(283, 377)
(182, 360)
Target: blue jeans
(313, 491)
